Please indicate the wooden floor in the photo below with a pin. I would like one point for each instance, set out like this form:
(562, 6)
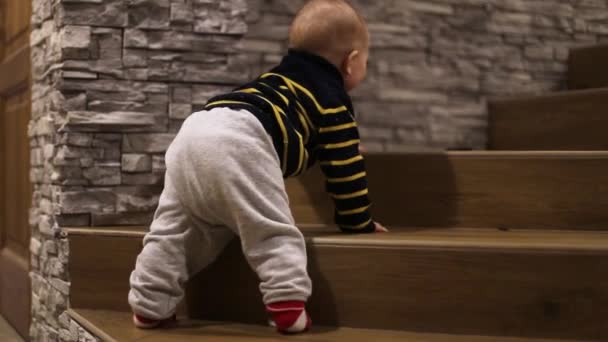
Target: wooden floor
(117, 326)
(7, 333)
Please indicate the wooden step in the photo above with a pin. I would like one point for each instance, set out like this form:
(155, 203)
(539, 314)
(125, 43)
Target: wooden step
(116, 326)
(541, 284)
(573, 120)
(588, 68)
(509, 190)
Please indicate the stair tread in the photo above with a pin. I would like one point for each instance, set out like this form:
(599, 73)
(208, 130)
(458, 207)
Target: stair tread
(117, 326)
(431, 280)
(563, 240)
(555, 95)
(565, 120)
(584, 70)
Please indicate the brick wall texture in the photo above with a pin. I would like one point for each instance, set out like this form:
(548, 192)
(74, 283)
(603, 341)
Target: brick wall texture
(114, 80)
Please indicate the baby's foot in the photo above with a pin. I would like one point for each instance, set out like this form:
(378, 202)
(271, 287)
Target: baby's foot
(289, 317)
(148, 323)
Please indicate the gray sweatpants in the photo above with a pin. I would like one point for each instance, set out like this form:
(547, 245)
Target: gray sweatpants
(223, 179)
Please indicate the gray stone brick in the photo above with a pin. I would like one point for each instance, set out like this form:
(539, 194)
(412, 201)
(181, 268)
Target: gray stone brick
(134, 58)
(429, 7)
(108, 122)
(136, 163)
(147, 143)
(404, 95)
(60, 285)
(76, 139)
(114, 86)
(158, 164)
(75, 41)
(109, 13)
(135, 38)
(182, 13)
(181, 94)
(80, 75)
(149, 14)
(539, 52)
(180, 110)
(202, 93)
(109, 43)
(103, 175)
(142, 179)
(35, 246)
(87, 201)
(72, 152)
(137, 199)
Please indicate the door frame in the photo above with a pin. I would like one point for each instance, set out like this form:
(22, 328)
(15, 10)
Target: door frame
(15, 68)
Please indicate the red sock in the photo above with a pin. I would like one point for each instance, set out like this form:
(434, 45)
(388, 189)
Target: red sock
(289, 317)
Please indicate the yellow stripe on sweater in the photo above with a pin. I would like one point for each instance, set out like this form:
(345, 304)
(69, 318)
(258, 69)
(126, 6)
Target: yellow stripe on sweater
(249, 91)
(354, 211)
(338, 127)
(301, 158)
(291, 84)
(304, 126)
(342, 144)
(350, 196)
(283, 97)
(342, 162)
(277, 113)
(303, 110)
(347, 179)
(224, 102)
(359, 226)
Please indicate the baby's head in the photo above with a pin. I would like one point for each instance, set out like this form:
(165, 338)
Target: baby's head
(333, 29)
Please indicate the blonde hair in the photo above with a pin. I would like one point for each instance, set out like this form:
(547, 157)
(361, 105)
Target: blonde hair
(329, 28)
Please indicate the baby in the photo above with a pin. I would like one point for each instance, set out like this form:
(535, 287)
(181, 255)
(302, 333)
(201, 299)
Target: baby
(225, 172)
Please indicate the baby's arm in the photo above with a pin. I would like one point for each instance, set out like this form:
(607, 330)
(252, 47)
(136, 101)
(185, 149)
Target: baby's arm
(346, 178)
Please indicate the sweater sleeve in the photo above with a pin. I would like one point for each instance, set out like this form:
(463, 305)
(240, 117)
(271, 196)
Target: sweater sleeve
(344, 169)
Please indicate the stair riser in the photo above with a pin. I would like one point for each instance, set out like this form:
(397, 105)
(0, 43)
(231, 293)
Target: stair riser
(568, 121)
(587, 68)
(472, 190)
(475, 291)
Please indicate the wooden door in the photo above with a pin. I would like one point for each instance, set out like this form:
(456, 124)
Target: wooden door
(15, 188)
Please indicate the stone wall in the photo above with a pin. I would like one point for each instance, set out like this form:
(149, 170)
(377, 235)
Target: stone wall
(114, 80)
(435, 62)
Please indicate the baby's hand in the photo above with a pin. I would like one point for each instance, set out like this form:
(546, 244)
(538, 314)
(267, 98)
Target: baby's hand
(362, 149)
(380, 228)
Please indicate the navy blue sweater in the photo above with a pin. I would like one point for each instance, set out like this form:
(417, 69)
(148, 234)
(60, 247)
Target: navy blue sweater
(304, 107)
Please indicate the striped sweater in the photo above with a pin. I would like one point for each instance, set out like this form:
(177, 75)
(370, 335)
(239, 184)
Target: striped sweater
(304, 107)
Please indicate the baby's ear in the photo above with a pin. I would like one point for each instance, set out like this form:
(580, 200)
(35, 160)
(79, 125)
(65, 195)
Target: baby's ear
(347, 65)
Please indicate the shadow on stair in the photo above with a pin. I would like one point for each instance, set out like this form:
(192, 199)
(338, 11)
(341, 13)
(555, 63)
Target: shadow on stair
(407, 190)
(210, 298)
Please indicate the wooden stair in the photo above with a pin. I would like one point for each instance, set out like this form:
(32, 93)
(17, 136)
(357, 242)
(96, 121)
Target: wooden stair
(527, 260)
(507, 190)
(118, 328)
(587, 67)
(563, 121)
(452, 281)
(506, 245)
(571, 120)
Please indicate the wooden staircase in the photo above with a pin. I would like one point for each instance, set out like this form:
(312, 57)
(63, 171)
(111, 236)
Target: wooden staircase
(507, 245)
